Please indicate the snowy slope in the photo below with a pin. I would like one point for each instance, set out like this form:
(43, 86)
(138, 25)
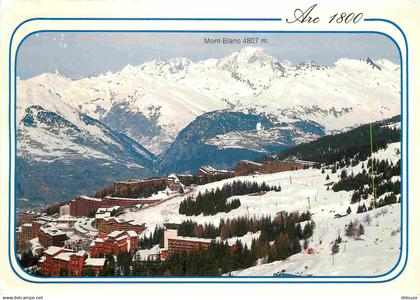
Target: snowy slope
(374, 254)
(58, 146)
(221, 138)
(154, 101)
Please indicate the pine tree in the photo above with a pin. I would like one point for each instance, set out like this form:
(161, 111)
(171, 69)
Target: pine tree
(350, 229)
(360, 230)
(63, 271)
(89, 271)
(334, 250)
(349, 210)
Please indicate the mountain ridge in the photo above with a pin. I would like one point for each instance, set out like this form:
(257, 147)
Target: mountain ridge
(166, 95)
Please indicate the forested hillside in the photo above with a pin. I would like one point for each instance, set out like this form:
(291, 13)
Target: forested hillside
(353, 144)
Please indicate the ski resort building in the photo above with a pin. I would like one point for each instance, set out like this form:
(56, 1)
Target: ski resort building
(84, 206)
(26, 231)
(105, 212)
(27, 217)
(247, 167)
(64, 210)
(95, 263)
(59, 261)
(172, 243)
(120, 186)
(153, 254)
(177, 244)
(269, 166)
(23, 234)
(36, 227)
(126, 202)
(186, 244)
(115, 242)
(51, 236)
(174, 184)
(109, 224)
(210, 171)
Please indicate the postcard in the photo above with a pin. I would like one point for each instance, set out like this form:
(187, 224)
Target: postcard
(145, 150)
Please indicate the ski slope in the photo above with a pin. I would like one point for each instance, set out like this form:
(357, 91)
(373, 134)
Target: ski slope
(375, 253)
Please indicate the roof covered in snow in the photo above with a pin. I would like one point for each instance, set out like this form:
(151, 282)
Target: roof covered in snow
(95, 262)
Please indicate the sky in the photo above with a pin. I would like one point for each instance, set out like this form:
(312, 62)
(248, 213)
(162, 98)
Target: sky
(79, 54)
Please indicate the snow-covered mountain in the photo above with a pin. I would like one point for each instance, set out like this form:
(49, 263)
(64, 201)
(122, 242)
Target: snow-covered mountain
(216, 111)
(221, 138)
(154, 101)
(58, 146)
